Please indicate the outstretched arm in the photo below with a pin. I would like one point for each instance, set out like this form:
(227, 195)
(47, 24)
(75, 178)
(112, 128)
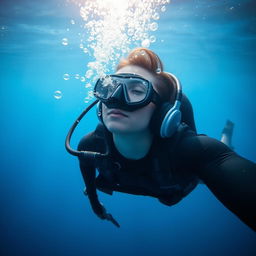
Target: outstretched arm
(231, 178)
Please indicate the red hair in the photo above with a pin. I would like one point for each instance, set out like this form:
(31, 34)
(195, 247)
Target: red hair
(147, 59)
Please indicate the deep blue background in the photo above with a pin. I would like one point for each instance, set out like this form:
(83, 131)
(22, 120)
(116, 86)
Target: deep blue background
(209, 45)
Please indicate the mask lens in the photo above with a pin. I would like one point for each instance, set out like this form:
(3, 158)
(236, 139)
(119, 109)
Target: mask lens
(137, 90)
(105, 87)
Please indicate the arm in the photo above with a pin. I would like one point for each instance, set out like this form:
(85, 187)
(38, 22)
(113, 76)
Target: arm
(230, 177)
(88, 171)
(89, 175)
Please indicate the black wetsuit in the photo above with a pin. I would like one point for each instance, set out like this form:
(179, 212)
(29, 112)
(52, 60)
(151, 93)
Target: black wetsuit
(182, 161)
(172, 169)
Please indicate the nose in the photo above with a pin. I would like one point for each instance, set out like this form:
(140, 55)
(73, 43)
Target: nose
(117, 93)
(117, 96)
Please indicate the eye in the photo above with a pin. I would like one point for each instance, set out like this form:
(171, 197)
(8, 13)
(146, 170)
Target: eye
(137, 91)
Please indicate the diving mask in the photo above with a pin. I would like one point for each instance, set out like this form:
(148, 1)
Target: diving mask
(125, 91)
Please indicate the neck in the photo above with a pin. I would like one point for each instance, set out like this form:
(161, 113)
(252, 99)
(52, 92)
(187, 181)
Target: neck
(133, 145)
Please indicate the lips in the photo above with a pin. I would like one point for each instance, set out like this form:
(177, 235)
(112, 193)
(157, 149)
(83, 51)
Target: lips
(116, 112)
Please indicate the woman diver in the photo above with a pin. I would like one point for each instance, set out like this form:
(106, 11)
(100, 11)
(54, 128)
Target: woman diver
(147, 144)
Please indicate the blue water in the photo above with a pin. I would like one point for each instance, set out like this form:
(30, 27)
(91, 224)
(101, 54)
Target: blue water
(209, 45)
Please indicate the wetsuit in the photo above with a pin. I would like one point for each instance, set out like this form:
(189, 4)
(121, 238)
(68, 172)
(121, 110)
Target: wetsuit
(171, 170)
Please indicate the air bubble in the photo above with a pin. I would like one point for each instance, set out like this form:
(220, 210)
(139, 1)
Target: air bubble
(158, 70)
(88, 85)
(155, 16)
(152, 39)
(81, 46)
(142, 52)
(85, 50)
(145, 43)
(72, 22)
(124, 50)
(65, 41)
(82, 79)
(77, 76)
(89, 73)
(66, 77)
(57, 95)
(153, 26)
(163, 9)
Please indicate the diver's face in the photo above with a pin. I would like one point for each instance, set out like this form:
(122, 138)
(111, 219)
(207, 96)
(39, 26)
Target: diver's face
(120, 121)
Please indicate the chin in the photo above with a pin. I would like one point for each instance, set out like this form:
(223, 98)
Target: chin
(117, 128)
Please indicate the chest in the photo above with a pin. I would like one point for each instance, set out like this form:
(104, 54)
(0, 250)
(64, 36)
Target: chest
(154, 176)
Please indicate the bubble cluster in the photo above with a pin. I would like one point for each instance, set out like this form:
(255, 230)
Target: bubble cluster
(89, 96)
(88, 85)
(85, 50)
(113, 27)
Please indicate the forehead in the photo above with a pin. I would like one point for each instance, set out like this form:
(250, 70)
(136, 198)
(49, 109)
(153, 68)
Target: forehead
(137, 70)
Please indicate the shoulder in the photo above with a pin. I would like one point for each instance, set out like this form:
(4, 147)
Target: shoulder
(86, 143)
(202, 148)
(93, 141)
(204, 143)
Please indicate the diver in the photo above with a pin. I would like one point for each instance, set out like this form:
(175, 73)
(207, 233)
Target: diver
(146, 143)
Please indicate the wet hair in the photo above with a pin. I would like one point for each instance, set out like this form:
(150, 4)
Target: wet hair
(147, 59)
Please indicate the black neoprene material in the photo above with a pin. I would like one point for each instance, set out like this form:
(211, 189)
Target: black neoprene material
(230, 177)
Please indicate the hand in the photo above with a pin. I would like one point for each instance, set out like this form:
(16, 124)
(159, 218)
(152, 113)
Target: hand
(107, 216)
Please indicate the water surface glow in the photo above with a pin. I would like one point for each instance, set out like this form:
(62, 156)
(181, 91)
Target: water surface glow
(112, 27)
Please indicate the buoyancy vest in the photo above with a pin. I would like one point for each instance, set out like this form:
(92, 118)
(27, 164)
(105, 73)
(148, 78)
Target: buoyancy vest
(162, 179)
